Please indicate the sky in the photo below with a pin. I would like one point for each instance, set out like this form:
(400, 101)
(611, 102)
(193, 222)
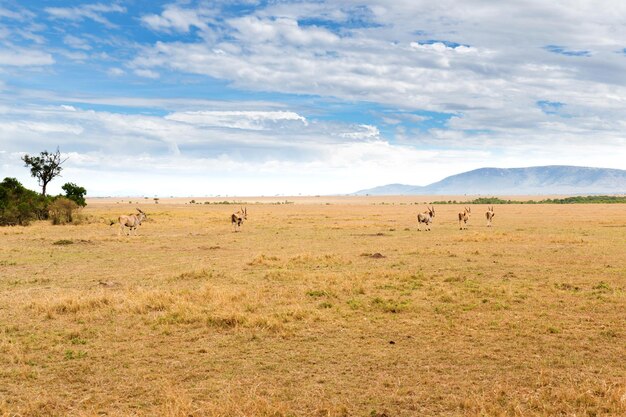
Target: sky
(236, 98)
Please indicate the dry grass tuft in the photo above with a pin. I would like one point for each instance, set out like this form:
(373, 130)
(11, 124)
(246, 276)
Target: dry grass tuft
(264, 260)
(71, 305)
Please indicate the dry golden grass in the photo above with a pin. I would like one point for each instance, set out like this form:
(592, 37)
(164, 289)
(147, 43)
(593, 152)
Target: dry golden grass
(297, 315)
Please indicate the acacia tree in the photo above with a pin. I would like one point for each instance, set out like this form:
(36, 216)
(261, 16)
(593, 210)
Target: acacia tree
(44, 167)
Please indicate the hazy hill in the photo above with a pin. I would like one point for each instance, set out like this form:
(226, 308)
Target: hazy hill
(556, 179)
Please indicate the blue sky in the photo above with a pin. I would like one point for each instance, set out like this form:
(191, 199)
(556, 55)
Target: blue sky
(307, 97)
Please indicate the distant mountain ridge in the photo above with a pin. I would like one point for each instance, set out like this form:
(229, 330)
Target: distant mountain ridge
(552, 179)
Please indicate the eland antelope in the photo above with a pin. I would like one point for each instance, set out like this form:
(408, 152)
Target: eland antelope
(426, 218)
(464, 217)
(237, 218)
(489, 215)
(132, 221)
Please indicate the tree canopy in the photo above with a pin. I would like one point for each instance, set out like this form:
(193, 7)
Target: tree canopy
(44, 167)
(75, 193)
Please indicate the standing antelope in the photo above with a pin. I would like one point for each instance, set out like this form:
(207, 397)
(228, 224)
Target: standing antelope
(237, 218)
(464, 217)
(132, 221)
(426, 218)
(489, 215)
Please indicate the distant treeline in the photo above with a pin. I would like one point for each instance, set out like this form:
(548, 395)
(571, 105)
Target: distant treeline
(590, 199)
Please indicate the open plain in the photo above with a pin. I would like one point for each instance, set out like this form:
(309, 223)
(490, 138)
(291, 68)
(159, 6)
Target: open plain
(319, 307)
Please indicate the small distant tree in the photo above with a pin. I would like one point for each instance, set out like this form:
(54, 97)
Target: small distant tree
(75, 193)
(44, 167)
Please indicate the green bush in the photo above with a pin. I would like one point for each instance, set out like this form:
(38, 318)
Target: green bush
(19, 205)
(75, 193)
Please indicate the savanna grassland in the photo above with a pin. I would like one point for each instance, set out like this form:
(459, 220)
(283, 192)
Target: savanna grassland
(316, 309)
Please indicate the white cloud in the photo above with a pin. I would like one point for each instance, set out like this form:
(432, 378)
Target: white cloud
(23, 57)
(365, 132)
(93, 12)
(29, 34)
(391, 120)
(76, 42)
(39, 127)
(116, 72)
(20, 14)
(5, 13)
(441, 47)
(287, 30)
(146, 73)
(79, 57)
(176, 19)
(251, 120)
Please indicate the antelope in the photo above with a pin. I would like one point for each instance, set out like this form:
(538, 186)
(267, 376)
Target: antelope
(132, 221)
(489, 215)
(464, 217)
(237, 218)
(426, 218)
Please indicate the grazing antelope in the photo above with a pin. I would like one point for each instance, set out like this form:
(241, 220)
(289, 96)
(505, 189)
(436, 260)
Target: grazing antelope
(132, 221)
(464, 217)
(489, 215)
(237, 218)
(426, 218)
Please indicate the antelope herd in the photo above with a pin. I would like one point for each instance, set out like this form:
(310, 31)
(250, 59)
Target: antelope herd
(427, 216)
(132, 221)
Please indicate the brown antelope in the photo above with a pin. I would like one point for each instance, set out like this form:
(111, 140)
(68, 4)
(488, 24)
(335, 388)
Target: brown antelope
(464, 217)
(132, 221)
(489, 215)
(426, 218)
(237, 218)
